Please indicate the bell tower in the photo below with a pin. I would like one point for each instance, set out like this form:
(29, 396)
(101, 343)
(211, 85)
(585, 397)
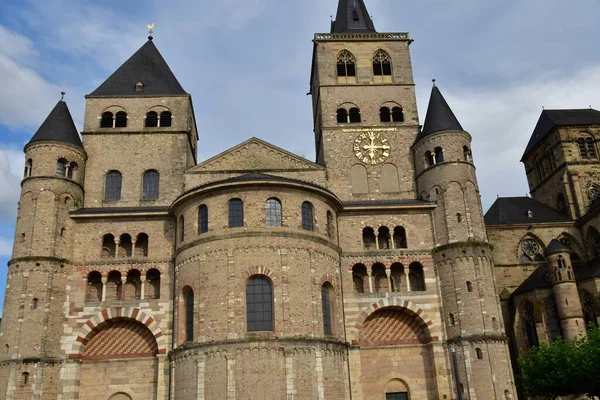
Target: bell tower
(364, 106)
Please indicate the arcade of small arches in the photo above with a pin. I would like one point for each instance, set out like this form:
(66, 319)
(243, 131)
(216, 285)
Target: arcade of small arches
(112, 286)
(379, 278)
(349, 113)
(119, 119)
(124, 246)
(382, 239)
(437, 156)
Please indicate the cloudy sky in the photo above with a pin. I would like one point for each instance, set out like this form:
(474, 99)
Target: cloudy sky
(247, 65)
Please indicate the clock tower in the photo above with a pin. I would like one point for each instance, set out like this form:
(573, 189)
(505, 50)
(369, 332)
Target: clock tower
(365, 113)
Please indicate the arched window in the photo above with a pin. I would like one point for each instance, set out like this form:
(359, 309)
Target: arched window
(342, 116)
(125, 246)
(93, 291)
(165, 119)
(346, 65)
(330, 226)
(112, 187)
(121, 119)
(379, 278)
(354, 115)
(383, 237)
(28, 168)
(479, 353)
(34, 303)
(113, 286)
(587, 148)
(359, 278)
(397, 114)
(73, 171)
(385, 114)
(451, 319)
(400, 241)
(468, 156)
(133, 285)
(151, 119)
(416, 277)
(108, 246)
(494, 323)
(469, 286)
(188, 296)
(531, 250)
(150, 185)
(141, 245)
(398, 277)
(382, 65)
(552, 321)
(368, 237)
(106, 121)
(327, 304)
(439, 155)
(153, 284)
(202, 219)
(307, 216)
(61, 167)
(259, 304)
(236, 213)
(589, 309)
(273, 212)
(429, 159)
(25, 378)
(181, 227)
(529, 323)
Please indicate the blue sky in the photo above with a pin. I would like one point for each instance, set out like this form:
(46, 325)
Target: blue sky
(247, 65)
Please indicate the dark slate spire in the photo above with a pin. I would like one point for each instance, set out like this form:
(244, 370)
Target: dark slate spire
(439, 116)
(58, 127)
(147, 68)
(555, 247)
(352, 16)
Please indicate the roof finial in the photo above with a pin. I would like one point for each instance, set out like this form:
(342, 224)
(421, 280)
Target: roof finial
(433, 80)
(62, 96)
(150, 30)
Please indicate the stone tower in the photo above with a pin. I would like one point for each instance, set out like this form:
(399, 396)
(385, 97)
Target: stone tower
(462, 255)
(39, 270)
(565, 290)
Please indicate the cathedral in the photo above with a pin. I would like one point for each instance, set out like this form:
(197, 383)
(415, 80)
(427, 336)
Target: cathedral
(140, 272)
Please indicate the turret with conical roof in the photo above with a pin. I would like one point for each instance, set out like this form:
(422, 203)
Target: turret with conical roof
(58, 127)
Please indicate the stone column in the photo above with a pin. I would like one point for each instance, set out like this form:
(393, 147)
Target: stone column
(133, 248)
(104, 280)
(388, 273)
(289, 374)
(369, 272)
(117, 242)
(231, 377)
(122, 294)
(143, 291)
(376, 238)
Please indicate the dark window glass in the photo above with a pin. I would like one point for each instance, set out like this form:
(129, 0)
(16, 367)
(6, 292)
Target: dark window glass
(112, 189)
(397, 114)
(150, 185)
(342, 116)
(107, 120)
(386, 67)
(203, 219)
(259, 304)
(384, 114)
(151, 120)
(345, 64)
(121, 119)
(189, 316)
(377, 69)
(236, 213)
(307, 216)
(439, 155)
(181, 229)
(354, 115)
(396, 396)
(326, 303)
(351, 69)
(165, 119)
(273, 212)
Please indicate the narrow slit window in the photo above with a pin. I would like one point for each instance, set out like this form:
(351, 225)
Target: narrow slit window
(112, 190)
(236, 213)
(203, 219)
(259, 304)
(273, 212)
(307, 216)
(150, 185)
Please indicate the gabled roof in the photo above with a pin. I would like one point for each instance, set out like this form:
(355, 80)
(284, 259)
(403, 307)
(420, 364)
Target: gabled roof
(146, 66)
(550, 119)
(352, 16)
(439, 116)
(58, 127)
(514, 210)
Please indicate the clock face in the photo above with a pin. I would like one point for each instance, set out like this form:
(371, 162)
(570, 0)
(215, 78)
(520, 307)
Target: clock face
(371, 148)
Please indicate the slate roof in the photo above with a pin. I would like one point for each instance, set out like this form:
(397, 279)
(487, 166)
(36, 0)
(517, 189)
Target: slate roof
(556, 246)
(537, 280)
(439, 116)
(147, 66)
(352, 16)
(514, 210)
(58, 127)
(589, 271)
(550, 119)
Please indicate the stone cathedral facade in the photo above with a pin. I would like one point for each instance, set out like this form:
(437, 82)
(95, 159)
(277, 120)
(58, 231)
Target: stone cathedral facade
(140, 272)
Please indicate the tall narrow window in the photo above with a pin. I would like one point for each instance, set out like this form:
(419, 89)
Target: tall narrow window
(153, 284)
(28, 168)
(61, 167)
(188, 294)
(479, 353)
(469, 286)
(181, 229)
(259, 304)
(236, 213)
(385, 114)
(141, 245)
(587, 148)
(106, 121)
(307, 216)
(382, 65)
(121, 119)
(439, 155)
(202, 219)
(165, 119)
(151, 119)
(468, 156)
(368, 236)
(342, 116)
(150, 185)
(326, 291)
(94, 287)
(416, 277)
(112, 188)
(552, 321)
(273, 212)
(400, 241)
(330, 226)
(346, 64)
(529, 324)
(108, 246)
(354, 115)
(429, 159)
(397, 114)
(383, 237)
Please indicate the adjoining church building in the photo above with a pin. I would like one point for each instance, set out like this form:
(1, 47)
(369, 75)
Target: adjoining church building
(139, 272)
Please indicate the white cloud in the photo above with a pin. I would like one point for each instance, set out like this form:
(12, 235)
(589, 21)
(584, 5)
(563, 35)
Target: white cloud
(11, 163)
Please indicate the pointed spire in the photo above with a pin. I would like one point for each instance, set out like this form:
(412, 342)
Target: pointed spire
(352, 16)
(439, 115)
(147, 66)
(58, 127)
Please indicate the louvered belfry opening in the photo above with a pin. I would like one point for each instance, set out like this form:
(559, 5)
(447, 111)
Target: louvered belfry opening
(121, 119)
(151, 120)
